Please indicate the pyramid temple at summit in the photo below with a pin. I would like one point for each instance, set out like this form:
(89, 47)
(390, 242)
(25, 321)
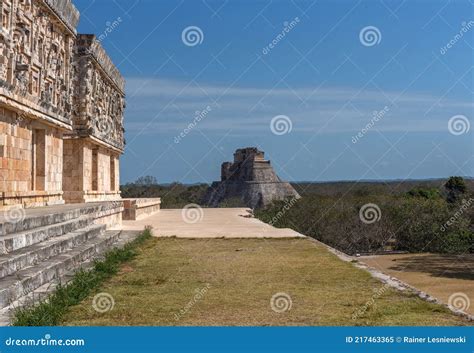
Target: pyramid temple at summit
(250, 179)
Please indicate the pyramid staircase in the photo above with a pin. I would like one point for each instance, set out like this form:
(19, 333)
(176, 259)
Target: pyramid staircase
(47, 246)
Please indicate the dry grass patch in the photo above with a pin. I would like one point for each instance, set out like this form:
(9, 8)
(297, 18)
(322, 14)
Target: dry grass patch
(231, 282)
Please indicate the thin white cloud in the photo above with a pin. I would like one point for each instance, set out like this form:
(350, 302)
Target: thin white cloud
(158, 106)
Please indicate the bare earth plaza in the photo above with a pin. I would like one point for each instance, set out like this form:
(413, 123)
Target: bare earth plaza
(81, 247)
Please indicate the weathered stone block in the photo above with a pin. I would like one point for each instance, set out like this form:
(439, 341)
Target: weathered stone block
(135, 209)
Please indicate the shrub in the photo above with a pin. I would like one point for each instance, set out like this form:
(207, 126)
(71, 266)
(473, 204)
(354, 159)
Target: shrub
(456, 242)
(174, 195)
(415, 224)
(455, 187)
(425, 193)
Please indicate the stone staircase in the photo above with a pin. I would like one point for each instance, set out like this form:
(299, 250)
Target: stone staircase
(47, 246)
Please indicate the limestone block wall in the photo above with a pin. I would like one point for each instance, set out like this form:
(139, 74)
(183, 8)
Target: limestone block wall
(30, 161)
(136, 209)
(54, 160)
(91, 172)
(73, 177)
(103, 162)
(15, 153)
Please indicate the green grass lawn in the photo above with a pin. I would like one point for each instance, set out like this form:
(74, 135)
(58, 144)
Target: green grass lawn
(231, 282)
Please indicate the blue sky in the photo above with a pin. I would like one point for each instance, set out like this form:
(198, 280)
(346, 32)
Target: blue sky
(396, 103)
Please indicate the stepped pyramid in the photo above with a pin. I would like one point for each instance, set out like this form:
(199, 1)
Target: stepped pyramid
(250, 178)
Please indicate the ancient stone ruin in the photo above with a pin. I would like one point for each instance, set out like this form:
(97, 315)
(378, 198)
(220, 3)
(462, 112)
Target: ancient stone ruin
(251, 179)
(61, 108)
(61, 134)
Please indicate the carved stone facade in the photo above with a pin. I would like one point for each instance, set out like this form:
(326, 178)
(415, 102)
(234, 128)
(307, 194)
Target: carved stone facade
(251, 179)
(99, 98)
(98, 134)
(61, 108)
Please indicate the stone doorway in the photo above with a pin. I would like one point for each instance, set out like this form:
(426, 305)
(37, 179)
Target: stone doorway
(95, 169)
(112, 173)
(38, 160)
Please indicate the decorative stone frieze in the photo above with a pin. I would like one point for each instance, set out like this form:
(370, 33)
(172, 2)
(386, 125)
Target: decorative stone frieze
(99, 95)
(61, 108)
(36, 63)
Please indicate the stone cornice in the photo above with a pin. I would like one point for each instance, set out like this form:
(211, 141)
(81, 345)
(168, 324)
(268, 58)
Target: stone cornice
(87, 44)
(75, 135)
(32, 110)
(66, 11)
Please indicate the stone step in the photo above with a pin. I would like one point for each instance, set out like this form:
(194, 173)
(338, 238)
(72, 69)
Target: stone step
(20, 240)
(34, 254)
(42, 292)
(23, 220)
(21, 283)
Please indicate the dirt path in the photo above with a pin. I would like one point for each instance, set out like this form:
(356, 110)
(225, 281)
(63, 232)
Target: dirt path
(442, 276)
